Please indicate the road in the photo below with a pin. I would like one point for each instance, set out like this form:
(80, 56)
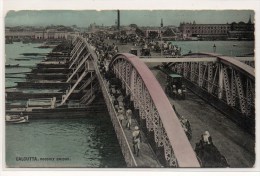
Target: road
(233, 142)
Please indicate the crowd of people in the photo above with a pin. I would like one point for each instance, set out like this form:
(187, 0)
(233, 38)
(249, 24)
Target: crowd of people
(121, 102)
(167, 48)
(124, 110)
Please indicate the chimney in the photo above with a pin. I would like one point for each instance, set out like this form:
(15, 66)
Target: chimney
(118, 19)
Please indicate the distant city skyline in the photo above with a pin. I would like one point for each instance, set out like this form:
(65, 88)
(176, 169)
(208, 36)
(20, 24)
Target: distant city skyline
(83, 18)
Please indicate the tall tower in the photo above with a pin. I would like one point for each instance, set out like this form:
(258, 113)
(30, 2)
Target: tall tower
(118, 19)
(161, 22)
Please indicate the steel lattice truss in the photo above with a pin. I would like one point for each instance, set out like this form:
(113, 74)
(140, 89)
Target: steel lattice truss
(231, 81)
(138, 84)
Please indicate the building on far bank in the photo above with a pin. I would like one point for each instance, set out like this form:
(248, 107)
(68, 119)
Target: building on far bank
(237, 31)
(37, 33)
(242, 30)
(19, 34)
(193, 30)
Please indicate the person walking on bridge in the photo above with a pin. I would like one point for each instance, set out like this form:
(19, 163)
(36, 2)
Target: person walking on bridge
(128, 118)
(120, 114)
(136, 140)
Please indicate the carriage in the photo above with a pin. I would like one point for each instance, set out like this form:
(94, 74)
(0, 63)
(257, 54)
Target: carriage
(145, 52)
(133, 51)
(209, 156)
(175, 87)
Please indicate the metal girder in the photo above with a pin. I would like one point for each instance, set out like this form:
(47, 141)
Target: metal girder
(155, 59)
(220, 82)
(87, 83)
(128, 76)
(240, 92)
(185, 69)
(227, 85)
(179, 59)
(233, 89)
(214, 81)
(210, 77)
(82, 63)
(200, 75)
(133, 82)
(77, 56)
(123, 73)
(75, 52)
(73, 87)
(143, 100)
(192, 71)
(249, 97)
(76, 47)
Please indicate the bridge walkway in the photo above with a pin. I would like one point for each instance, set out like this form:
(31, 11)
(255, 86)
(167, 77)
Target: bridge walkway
(147, 157)
(234, 143)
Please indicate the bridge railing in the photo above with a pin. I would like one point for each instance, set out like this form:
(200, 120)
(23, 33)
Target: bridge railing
(125, 146)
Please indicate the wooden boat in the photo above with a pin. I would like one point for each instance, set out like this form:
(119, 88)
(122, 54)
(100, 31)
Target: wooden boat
(22, 59)
(44, 84)
(16, 119)
(10, 65)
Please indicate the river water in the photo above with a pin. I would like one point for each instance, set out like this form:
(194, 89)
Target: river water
(84, 142)
(229, 48)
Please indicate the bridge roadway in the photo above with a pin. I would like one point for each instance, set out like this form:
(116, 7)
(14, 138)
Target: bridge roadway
(234, 143)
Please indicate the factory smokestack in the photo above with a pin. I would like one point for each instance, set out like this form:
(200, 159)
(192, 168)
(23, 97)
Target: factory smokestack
(118, 19)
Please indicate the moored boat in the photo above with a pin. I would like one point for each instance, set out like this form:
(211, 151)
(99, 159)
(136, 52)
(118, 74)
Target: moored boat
(16, 119)
(10, 65)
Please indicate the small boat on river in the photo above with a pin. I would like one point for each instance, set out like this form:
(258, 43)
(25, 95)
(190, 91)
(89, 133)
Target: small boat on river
(16, 119)
(10, 65)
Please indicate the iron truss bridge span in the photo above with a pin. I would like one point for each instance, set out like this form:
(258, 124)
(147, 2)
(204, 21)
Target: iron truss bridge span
(225, 82)
(149, 99)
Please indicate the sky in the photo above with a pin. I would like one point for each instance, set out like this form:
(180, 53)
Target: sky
(140, 17)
